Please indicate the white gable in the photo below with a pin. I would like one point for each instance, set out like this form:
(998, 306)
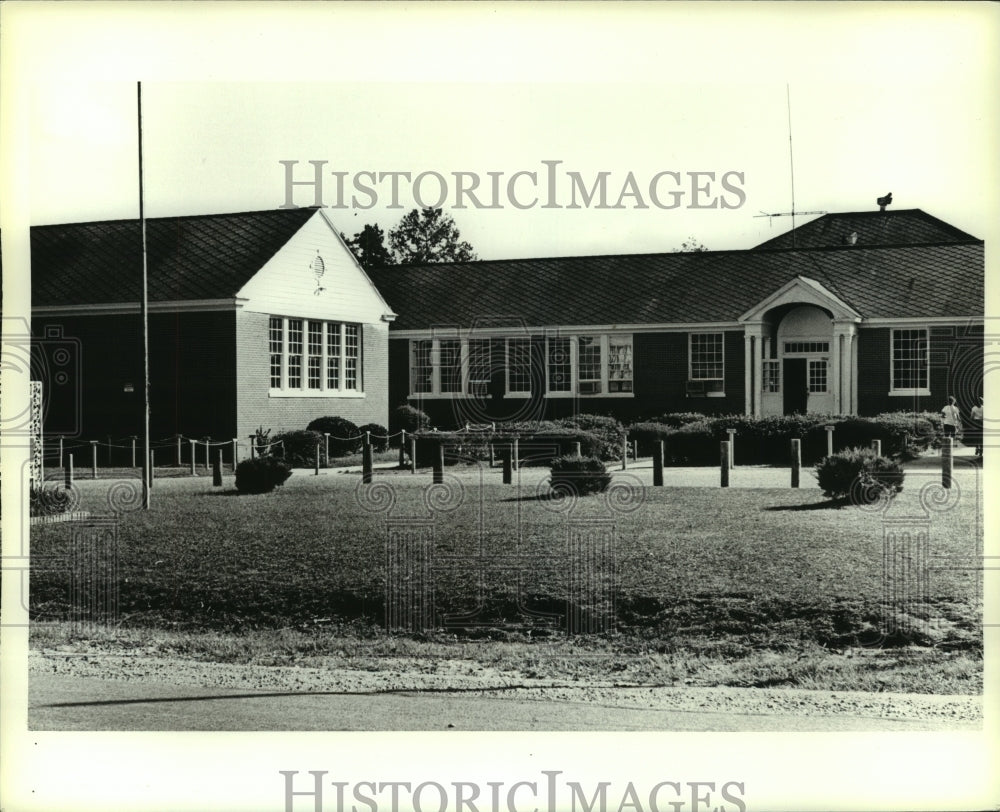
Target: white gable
(802, 290)
(314, 275)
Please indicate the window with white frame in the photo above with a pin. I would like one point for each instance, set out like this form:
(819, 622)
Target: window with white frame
(519, 366)
(771, 376)
(450, 364)
(706, 364)
(559, 364)
(422, 367)
(478, 381)
(817, 375)
(620, 363)
(313, 357)
(910, 361)
(588, 365)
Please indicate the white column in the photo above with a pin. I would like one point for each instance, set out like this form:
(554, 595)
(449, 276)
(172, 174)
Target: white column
(844, 367)
(853, 379)
(749, 400)
(753, 353)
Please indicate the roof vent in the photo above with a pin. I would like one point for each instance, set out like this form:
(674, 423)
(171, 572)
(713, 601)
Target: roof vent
(884, 201)
(851, 239)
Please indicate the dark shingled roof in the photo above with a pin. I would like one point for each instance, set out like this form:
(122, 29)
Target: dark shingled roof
(874, 228)
(711, 286)
(201, 257)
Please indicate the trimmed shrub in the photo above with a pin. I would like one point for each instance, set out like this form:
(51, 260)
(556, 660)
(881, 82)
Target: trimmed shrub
(646, 434)
(261, 475)
(578, 475)
(300, 448)
(344, 435)
(608, 431)
(379, 435)
(859, 474)
(409, 418)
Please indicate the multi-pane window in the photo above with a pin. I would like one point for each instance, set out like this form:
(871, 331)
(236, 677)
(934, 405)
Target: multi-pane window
(423, 367)
(519, 365)
(588, 364)
(315, 356)
(817, 375)
(479, 367)
(706, 357)
(560, 368)
(620, 363)
(275, 346)
(450, 364)
(807, 346)
(909, 359)
(771, 376)
(295, 353)
(333, 356)
(352, 353)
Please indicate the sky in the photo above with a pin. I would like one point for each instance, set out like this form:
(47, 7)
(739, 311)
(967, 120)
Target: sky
(918, 121)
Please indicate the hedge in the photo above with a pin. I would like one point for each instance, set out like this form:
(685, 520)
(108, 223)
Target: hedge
(536, 447)
(300, 448)
(344, 435)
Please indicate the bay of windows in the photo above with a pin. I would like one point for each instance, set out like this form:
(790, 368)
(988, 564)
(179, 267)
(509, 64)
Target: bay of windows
(313, 356)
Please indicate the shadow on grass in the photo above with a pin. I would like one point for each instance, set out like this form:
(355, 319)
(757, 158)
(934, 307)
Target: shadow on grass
(826, 504)
(536, 497)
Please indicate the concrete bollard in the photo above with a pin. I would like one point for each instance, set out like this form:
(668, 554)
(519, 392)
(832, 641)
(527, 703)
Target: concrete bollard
(217, 470)
(193, 471)
(796, 461)
(366, 463)
(133, 450)
(877, 447)
(724, 463)
(624, 455)
(316, 472)
(152, 466)
(208, 463)
(829, 440)
(93, 458)
(438, 475)
(69, 471)
(508, 476)
(493, 456)
(635, 449)
(947, 462)
(236, 453)
(326, 445)
(514, 461)
(576, 450)
(402, 449)
(658, 463)
(179, 450)
(413, 455)
(62, 460)
(732, 447)
(253, 447)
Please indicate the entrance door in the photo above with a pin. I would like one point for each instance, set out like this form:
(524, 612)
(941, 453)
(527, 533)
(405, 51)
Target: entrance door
(795, 386)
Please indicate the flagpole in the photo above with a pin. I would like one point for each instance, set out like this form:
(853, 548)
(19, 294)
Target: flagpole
(144, 308)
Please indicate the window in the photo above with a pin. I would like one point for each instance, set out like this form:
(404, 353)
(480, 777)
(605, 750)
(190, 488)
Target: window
(423, 367)
(300, 350)
(706, 365)
(352, 352)
(817, 375)
(588, 365)
(519, 366)
(450, 354)
(560, 369)
(315, 362)
(295, 353)
(479, 367)
(620, 363)
(771, 376)
(807, 346)
(275, 342)
(909, 362)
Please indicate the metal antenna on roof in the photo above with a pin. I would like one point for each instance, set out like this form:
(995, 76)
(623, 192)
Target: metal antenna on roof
(791, 168)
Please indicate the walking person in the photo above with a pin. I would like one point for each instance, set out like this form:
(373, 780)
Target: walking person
(976, 426)
(951, 417)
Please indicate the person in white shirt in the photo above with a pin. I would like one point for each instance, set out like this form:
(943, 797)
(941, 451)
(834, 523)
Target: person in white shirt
(951, 417)
(976, 426)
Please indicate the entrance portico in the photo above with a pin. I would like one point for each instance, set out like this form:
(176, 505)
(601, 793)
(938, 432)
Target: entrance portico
(800, 352)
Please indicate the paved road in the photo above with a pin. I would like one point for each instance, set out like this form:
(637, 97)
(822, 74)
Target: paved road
(61, 702)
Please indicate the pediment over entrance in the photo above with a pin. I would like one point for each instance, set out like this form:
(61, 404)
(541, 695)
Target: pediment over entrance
(802, 290)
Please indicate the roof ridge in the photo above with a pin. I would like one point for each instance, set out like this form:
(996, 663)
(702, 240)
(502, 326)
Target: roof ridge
(212, 215)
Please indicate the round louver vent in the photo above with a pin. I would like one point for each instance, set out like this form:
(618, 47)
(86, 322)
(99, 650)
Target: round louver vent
(318, 267)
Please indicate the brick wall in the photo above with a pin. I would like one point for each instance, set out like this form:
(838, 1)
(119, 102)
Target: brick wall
(256, 408)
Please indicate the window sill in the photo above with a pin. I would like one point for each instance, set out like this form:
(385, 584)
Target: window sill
(315, 393)
(909, 393)
(708, 395)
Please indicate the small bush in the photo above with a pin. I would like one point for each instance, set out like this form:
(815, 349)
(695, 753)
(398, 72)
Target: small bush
(344, 435)
(379, 435)
(261, 475)
(409, 419)
(578, 475)
(859, 474)
(299, 448)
